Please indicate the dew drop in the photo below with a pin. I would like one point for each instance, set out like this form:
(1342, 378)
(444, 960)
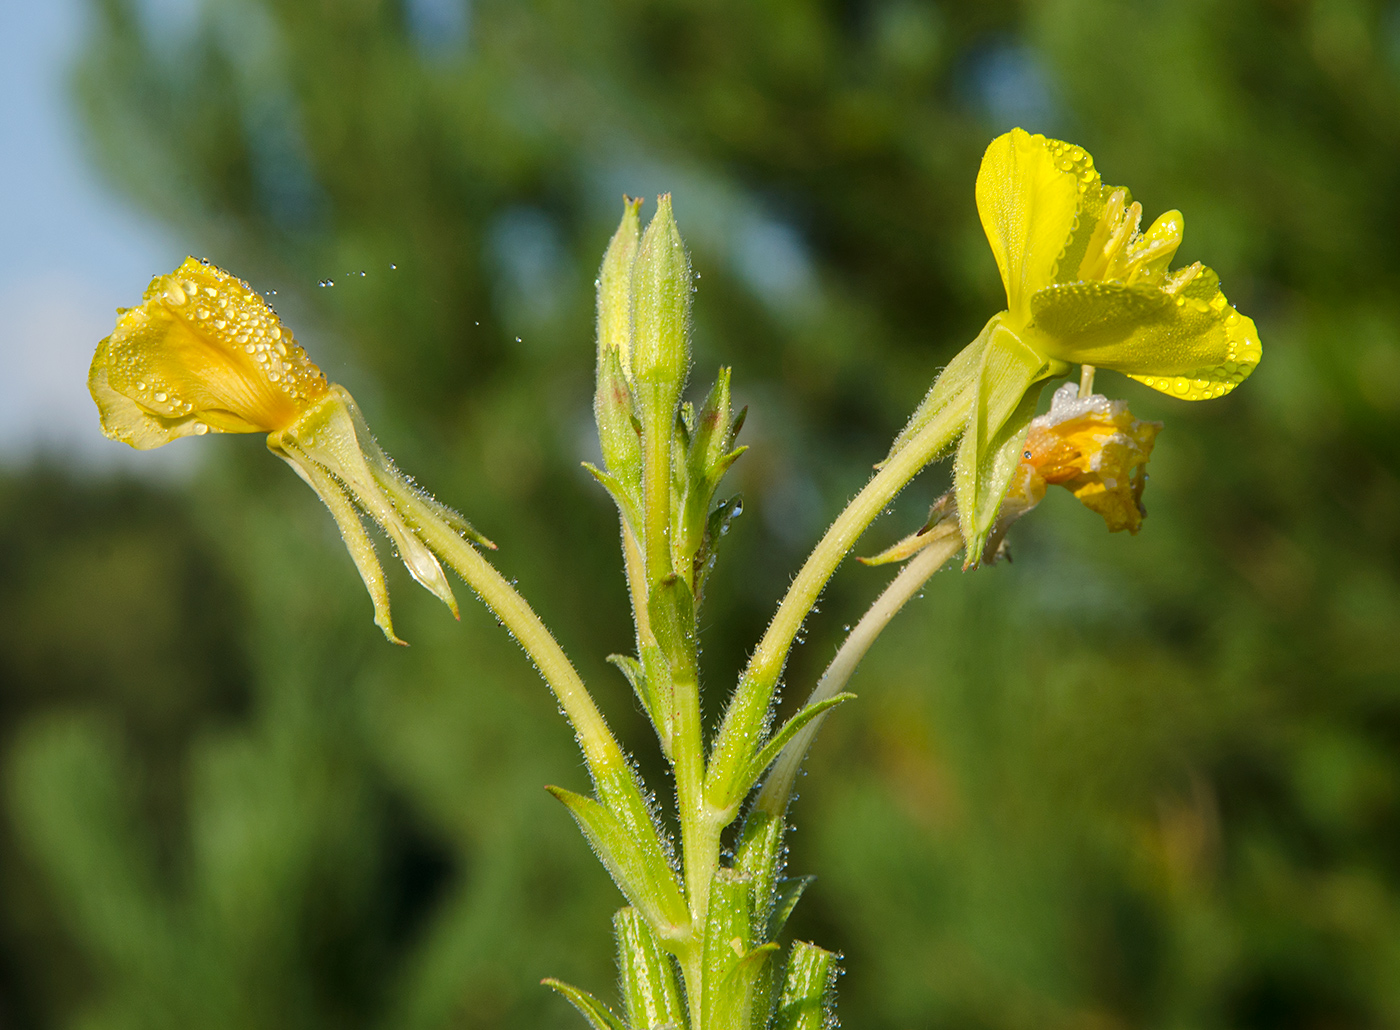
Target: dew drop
(161, 398)
(200, 429)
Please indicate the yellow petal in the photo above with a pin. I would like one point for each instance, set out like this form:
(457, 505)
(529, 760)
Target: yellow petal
(125, 420)
(202, 353)
(1028, 191)
(1193, 345)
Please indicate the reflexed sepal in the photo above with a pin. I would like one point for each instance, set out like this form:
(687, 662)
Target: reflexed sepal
(332, 449)
(996, 424)
(599, 1016)
(649, 989)
(640, 870)
(942, 523)
(808, 999)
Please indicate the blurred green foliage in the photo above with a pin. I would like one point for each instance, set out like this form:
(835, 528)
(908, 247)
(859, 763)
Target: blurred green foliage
(1123, 782)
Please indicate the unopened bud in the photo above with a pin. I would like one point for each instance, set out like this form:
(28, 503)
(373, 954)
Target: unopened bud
(615, 288)
(661, 308)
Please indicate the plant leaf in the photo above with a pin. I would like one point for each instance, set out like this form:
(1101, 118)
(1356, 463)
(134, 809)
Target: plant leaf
(648, 975)
(785, 898)
(770, 751)
(599, 1016)
(643, 875)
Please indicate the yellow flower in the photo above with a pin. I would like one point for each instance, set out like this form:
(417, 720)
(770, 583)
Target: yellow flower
(205, 353)
(1094, 448)
(1084, 285)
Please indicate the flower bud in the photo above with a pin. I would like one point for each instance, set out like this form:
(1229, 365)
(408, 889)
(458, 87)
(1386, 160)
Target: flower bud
(661, 290)
(615, 287)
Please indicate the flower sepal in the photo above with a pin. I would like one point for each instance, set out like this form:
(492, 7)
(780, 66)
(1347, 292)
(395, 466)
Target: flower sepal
(330, 446)
(1000, 411)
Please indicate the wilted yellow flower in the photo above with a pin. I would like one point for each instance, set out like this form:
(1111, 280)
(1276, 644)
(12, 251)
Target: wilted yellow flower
(205, 353)
(1084, 284)
(1094, 448)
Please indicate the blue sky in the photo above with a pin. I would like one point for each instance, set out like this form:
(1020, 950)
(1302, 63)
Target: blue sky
(70, 250)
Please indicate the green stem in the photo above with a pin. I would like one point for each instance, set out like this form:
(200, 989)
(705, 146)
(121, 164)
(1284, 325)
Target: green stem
(635, 566)
(599, 746)
(657, 437)
(777, 788)
(739, 733)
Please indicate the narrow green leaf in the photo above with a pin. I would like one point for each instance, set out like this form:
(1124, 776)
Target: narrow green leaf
(637, 677)
(808, 999)
(649, 985)
(770, 751)
(760, 854)
(785, 898)
(659, 683)
(716, 526)
(641, 873)
(622, 495)
(599, 1016)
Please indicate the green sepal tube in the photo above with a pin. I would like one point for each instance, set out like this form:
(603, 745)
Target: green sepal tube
(808, 999)
(1002, 407)
(649, 990)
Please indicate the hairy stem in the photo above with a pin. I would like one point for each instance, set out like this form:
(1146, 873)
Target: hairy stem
(599, 745)
(745, 716)
(777, 788)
